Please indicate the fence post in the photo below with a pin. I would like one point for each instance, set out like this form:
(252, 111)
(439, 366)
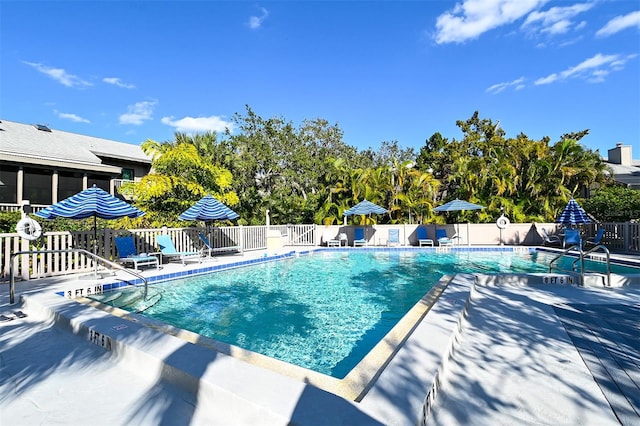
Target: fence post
(627, 236)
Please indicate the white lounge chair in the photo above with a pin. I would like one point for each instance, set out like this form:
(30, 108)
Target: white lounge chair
(329, 238)
(394, 237)
(169, 250)
(550, 239)
(210, 249)
(443, 240)
(423, 237)
(359, 238)
(127, 253)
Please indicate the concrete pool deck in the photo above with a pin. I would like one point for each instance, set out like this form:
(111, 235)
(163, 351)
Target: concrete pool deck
(511, 358)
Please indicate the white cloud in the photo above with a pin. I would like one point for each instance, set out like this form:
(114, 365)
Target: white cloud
(620, 23)
(594, 69)
(117, 82)
(471, 18)
(59, 75)
(547, 80)
(255, 22)
(72, 117)
(199, 124)
(499, 87)
(138, 113)
(598, 76)
(559, 27)
(556, 20)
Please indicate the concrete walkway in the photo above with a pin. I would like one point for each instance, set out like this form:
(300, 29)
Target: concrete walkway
(507, 354)
(516, 361)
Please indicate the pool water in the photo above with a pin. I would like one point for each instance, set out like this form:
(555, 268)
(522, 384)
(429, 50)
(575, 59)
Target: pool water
(324, 311)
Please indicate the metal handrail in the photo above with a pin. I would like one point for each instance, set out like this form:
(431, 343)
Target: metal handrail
(581, 260)
(12, 282)
(606, 251)
(572, 270)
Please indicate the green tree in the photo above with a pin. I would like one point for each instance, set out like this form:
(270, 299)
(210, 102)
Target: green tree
(530, 179)
(182, 173)
(613, 204)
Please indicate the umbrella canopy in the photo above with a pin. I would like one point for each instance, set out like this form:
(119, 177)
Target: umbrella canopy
(365, 207)
(457, 205)
(208, 208)
(573, 214)
(92, 202)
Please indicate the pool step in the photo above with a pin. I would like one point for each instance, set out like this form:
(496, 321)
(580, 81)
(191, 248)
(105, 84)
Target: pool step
(119, 299)
(590, 279)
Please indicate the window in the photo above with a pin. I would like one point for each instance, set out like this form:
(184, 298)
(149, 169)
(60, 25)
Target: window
(127, 174)
(103, 182)
(37, 186)
(68, 184)
(8, 184)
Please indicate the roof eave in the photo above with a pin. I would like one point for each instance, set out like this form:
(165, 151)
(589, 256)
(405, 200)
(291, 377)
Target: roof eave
(41, 161)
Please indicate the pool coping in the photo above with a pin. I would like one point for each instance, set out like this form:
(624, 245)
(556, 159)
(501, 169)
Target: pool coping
(356, 382)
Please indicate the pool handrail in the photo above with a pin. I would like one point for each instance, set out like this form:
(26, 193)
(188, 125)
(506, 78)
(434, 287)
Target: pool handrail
(582, 254)
(608, 255)
(112, 265)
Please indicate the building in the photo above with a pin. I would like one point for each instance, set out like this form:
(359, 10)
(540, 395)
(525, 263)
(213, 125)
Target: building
(626, 170)
(44, 166)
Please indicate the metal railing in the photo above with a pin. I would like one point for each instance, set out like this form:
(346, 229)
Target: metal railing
(580, 258)
(97, 259)
(13, 207)
(605, 250)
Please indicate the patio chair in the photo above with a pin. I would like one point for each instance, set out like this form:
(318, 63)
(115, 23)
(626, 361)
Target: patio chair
(359, 237)
(596, 240)
(127, 253)
(572, 238)
(329, 238)
(394, 237)
(549, 239)
(210, 249)
(443, 240)
(423, 237)
(169, 250)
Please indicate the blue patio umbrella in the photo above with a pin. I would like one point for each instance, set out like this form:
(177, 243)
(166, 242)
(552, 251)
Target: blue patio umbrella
(92, 202)
(573, 214)
(365, 207)
(458, 205)
(208, 208)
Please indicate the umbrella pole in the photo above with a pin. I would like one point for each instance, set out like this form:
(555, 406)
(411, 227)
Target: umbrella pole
(95, 245)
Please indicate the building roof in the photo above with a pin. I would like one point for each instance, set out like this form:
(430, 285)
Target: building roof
(39, 145)
(626, 175)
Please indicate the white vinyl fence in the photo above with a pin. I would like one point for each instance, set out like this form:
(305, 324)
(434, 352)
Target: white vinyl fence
(39, 265)
(619, 237)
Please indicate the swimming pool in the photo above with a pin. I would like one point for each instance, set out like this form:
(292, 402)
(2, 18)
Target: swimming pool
(324, 311)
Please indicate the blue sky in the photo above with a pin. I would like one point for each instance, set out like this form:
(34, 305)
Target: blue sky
(383, 71)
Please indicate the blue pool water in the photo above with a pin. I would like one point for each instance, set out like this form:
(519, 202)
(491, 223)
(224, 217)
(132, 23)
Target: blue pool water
(324, 311)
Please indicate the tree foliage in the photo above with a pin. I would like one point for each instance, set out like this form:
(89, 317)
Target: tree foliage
(531, 179)
(308, 174)
(614, 204)
(182, 173)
